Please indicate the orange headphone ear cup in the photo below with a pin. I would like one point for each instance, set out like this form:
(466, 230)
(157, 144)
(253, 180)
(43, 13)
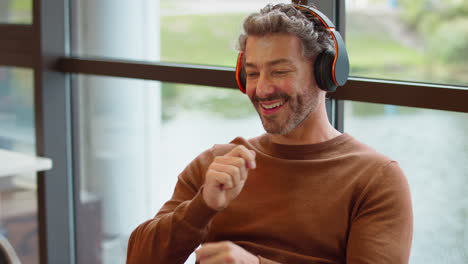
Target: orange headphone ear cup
(323, 68)
(240, 73)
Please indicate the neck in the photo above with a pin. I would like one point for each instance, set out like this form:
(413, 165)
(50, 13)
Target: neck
(315, 129)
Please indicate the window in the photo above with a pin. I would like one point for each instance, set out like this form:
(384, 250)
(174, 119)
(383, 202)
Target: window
(82, 129)
(432, 148)
(134, 139)
(18, 199)
(421, 41)
(16, 11)
(169, 32)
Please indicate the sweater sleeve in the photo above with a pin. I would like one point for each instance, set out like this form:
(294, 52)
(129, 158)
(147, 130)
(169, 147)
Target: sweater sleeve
(181, 224)
(382, 228)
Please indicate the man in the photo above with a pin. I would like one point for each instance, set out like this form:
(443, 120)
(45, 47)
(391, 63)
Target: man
(301, 193)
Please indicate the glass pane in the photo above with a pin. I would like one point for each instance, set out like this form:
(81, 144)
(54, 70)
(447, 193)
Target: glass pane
(18, 193)
(423, 41)
(210, 28)
(163, 30)
(16, 11)
(432, 148)
(128, 131)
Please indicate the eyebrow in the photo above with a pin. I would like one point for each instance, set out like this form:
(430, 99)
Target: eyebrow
(270, 63)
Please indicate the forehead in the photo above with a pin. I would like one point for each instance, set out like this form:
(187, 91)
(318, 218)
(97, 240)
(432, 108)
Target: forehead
(261, 49)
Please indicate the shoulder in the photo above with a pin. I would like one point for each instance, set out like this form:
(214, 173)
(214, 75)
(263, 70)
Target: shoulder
(391, 175)
(365, 155)
(381, 175)
(373, 169)
(387, 193)
(382, 185)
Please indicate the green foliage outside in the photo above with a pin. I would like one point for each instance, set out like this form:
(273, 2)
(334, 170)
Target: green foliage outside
(22, 5)
(200, 39)
(449, 42)
(17, 11)
(444, 25)
(379, 55)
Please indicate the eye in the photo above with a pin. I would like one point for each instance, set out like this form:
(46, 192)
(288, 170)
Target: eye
(252, 74)
(280, 72)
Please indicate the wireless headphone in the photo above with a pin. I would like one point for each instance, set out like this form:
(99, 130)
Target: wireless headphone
(331, 68)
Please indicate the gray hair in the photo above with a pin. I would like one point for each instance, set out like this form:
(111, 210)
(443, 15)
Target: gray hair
(285, 18)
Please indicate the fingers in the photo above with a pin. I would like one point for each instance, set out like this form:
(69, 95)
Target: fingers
(243, 152)
(222, 179)
(209, 250)
(224, 252)
(219, 259)
(232, 165)
(215, 252)
(226, 176)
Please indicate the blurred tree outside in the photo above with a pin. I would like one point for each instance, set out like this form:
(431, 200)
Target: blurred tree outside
(4, 10)
(16, 11)
(444, 26)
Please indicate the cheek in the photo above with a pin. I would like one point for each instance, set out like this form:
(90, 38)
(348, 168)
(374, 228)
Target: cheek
(250, 88)
(250, 91)
(288, 86)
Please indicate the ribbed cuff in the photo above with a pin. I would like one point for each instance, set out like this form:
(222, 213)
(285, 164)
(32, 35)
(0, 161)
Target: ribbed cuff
(198, 213)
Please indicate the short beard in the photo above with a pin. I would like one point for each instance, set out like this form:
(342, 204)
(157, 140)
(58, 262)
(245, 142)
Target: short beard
(301, 107)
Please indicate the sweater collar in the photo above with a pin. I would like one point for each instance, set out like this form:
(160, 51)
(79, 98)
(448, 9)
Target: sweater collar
(299, 152)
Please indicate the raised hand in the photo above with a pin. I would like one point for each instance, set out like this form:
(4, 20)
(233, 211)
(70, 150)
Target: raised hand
(226, 177)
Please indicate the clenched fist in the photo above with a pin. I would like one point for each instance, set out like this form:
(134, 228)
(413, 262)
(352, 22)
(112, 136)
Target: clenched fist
(226, 177)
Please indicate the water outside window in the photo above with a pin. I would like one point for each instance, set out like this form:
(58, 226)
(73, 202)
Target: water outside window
(432, 148)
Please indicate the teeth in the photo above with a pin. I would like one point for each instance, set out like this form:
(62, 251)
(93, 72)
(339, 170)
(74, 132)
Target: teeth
(272, 105)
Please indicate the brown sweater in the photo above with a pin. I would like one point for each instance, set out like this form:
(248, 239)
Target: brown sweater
(334, 202)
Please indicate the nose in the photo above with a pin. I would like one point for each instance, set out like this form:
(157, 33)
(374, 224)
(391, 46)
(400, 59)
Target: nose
(265, 86)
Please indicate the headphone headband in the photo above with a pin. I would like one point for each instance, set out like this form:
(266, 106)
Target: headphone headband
(316, 13)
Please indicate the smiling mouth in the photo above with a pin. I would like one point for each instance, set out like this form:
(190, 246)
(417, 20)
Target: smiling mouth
(271, 108)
